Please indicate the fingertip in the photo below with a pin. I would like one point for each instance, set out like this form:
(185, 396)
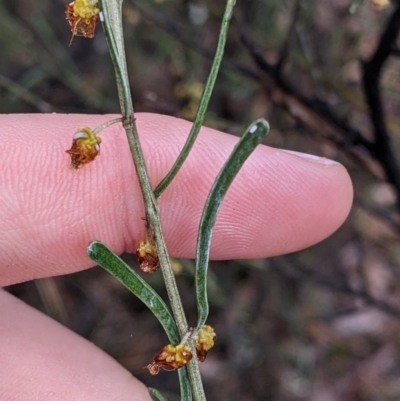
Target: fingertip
(319, 196)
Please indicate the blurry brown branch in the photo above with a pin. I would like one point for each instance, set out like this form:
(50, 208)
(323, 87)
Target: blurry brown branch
(308, 111)
(318, 116)
(48, 53)
(339, 285)
(179, 32)
(21, 93)
(284, 51)
(372, 72)
(384, 216)
(317, 106)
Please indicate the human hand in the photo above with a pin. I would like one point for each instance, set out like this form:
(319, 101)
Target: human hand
(280, 202)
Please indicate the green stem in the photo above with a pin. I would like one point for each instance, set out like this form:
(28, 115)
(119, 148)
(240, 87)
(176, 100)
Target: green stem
(112, 24)
(205, 98)
(106, 125)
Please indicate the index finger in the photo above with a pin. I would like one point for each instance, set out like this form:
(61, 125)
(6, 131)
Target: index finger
(280, 202)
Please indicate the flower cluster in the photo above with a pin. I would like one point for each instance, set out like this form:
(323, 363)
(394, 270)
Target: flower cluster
(147, 257)
(205, 341)
(85, 147)
(82, 16)
(170, 358)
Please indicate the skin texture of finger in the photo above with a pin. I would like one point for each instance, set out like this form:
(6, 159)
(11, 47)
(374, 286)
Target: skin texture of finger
(42, 360)
(279, 202)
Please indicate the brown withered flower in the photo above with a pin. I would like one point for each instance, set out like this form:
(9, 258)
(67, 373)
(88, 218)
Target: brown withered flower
(85, 147)
(205, 341)
(147, 257)
(170, 358)
(82, 16)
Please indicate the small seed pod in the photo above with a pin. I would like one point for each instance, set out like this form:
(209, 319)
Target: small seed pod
(205, 341)
(85, 147)
(147, 257)
(170, 358)
(82, 16)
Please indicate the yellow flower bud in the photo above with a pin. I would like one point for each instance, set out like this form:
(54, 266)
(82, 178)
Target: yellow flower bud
(82, 16)
(147, 257)
(85, 147)
(205, 341)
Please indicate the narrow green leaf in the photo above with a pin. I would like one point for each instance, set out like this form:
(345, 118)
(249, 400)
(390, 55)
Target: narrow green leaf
(109, 261)
(205, 98)
(249, 141)
(156, 395)
(105, 258)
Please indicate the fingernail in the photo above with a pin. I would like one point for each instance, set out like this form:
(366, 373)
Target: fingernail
(313, 158)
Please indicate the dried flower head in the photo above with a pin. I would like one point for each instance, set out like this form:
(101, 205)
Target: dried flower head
(85, 147)
(205, 341)
(147, 257)
(170, 358)
(82, 16)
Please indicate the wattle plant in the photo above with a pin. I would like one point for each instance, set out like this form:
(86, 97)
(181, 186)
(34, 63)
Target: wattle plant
(188, 345)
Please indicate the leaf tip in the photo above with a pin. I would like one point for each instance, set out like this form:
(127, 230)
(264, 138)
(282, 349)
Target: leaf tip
(91, 248)
(259, 125)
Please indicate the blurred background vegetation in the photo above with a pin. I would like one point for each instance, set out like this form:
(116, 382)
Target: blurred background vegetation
(320, 325)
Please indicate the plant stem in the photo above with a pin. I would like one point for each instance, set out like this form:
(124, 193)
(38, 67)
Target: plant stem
(112, 15)
(106, 125)
(153, 218)
(205, 98)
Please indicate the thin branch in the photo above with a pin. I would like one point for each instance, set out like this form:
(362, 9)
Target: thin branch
(381, 149)
(203, 105)
(283, 54)
(339, 127)
(372, 72)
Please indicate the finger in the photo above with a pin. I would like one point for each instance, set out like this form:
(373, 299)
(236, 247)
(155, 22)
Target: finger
(280, 202)
(45, 361)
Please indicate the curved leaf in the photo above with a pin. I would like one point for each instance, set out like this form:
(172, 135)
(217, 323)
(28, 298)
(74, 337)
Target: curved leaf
(109, 261)
(205, 98)
(249, 141)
